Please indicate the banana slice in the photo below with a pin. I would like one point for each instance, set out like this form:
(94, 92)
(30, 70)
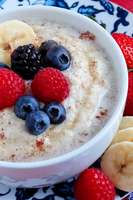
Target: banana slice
(13, 34)
(126, 122)
(117, 164)
(123, 135)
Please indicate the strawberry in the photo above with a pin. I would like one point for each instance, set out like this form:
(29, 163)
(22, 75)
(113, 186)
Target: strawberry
(93, 184)
(50, 84)
(129, 101)
(12, 87)
(125, 43)
(126, 198)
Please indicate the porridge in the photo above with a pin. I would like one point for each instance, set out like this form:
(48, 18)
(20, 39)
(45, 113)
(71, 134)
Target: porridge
(92, 98)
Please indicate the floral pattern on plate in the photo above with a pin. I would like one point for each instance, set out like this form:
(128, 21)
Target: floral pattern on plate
(116, 19)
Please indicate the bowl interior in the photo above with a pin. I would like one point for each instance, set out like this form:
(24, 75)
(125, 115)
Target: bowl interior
(83, 24)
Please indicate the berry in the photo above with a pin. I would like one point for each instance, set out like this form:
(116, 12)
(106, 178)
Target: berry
(26, 61)
(12, 87)
(127, 197)
(128, 111)
(93, 184)
(45, 46)
(2, 65)
(58, 57)
(125, 43)
(55, 111)
(50, 85)
(25, 105)
(37, 122)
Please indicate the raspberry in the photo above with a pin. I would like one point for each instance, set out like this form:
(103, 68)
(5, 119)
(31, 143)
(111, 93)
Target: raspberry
(12, 87)
(26, 61)
(93, 184)
(50, 85)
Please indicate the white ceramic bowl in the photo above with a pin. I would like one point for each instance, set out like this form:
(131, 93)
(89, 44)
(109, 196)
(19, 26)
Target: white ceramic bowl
(49, 172)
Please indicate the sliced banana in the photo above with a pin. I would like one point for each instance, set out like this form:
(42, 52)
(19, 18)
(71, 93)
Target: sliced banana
(126, 122)
(14, 33)
(117, 164)
(123, 135)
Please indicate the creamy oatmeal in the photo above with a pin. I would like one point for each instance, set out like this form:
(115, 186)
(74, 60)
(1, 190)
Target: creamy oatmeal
(92, 98)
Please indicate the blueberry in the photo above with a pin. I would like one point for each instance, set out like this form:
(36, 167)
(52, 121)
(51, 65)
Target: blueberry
(55, 111)
(2, 65)
(25, 105)
(58, 57)
(45, 46)
(37, 122)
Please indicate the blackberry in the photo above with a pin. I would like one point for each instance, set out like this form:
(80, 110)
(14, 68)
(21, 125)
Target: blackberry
(26, 61)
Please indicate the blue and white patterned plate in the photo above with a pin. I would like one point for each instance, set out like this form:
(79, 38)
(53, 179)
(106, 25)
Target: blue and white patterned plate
(117, 19)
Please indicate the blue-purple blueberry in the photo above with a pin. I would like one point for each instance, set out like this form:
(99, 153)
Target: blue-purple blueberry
(37, 122)
(55, 111)
(2, 65)
(25, 105)
(45, 46)
(58, 57)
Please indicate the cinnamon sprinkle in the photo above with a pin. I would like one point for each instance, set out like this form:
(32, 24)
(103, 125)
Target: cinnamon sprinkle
(2, 136)
(87, 35)
(102, 114)
(40, 144)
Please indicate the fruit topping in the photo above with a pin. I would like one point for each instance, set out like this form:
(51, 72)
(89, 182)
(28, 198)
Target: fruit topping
(126, 122)
(123, 135)
(125, 43)
(50, 85)
(12, 87)
(37, 122)
(2, 65)
(25, 105)
(26, 61)
(58, 57)
(93, 184)
(15, 33)
(55, 111)
(45, 46)
(128, 111)
(117, 164)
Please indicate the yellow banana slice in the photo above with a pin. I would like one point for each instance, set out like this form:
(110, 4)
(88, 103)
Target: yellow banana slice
(117, 164)
(13, 34)
(123, 135)
(126, 122)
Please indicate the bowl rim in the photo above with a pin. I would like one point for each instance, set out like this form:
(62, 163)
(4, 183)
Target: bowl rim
(121, 103)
